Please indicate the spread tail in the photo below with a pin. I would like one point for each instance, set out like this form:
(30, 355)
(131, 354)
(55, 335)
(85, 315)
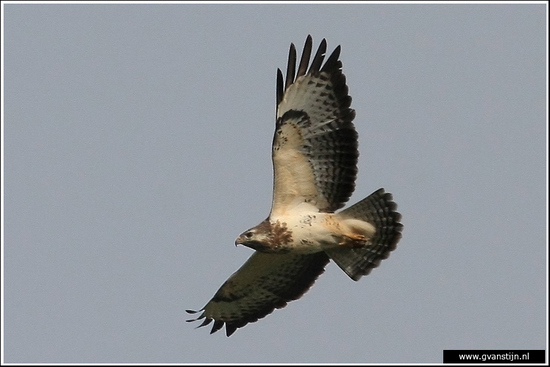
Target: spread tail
(377, 209)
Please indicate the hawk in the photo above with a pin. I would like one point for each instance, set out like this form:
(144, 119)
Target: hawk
(314, 155)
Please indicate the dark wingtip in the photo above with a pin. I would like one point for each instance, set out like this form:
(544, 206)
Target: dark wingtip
(280, 86)
(319, 56)
(291, 66)
(332, 61)
(205, 322)
(306, 54)
(218, 324)
(201, 316)
(230, 329)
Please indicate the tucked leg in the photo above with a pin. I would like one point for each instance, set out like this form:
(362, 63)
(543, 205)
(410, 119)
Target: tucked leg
(353, 241)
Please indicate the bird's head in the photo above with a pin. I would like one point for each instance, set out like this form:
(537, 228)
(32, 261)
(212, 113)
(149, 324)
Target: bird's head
(266, 237)
(256, 239)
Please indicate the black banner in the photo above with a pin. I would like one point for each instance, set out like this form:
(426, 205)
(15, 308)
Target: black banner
(494, 356)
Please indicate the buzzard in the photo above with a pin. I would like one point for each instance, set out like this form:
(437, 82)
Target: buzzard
(314, 155)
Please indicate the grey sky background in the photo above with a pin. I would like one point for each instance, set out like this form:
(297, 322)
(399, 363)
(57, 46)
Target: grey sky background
(138, 146)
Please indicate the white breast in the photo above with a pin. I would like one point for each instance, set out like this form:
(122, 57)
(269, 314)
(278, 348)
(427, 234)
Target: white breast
(312, 231)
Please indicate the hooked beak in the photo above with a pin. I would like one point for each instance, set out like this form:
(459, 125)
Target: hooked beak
(241, 240)
(238, 241)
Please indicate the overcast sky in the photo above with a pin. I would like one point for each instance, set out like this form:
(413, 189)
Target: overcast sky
(137, 147)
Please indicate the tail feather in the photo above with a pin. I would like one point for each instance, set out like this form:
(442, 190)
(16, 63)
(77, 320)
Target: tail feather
(379, 210)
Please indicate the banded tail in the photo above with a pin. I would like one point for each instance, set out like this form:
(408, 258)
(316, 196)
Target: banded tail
(379, 210)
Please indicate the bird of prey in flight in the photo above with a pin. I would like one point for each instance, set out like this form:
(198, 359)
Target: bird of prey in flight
(314, 155)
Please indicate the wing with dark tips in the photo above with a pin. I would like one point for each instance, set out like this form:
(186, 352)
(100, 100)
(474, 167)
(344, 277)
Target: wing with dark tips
(265, 282)
(315, 143)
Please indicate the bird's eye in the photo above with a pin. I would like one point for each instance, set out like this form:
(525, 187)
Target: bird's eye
(248, 234)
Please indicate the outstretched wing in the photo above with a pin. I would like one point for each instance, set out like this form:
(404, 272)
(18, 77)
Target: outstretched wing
(315, 143)
(265, 282)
